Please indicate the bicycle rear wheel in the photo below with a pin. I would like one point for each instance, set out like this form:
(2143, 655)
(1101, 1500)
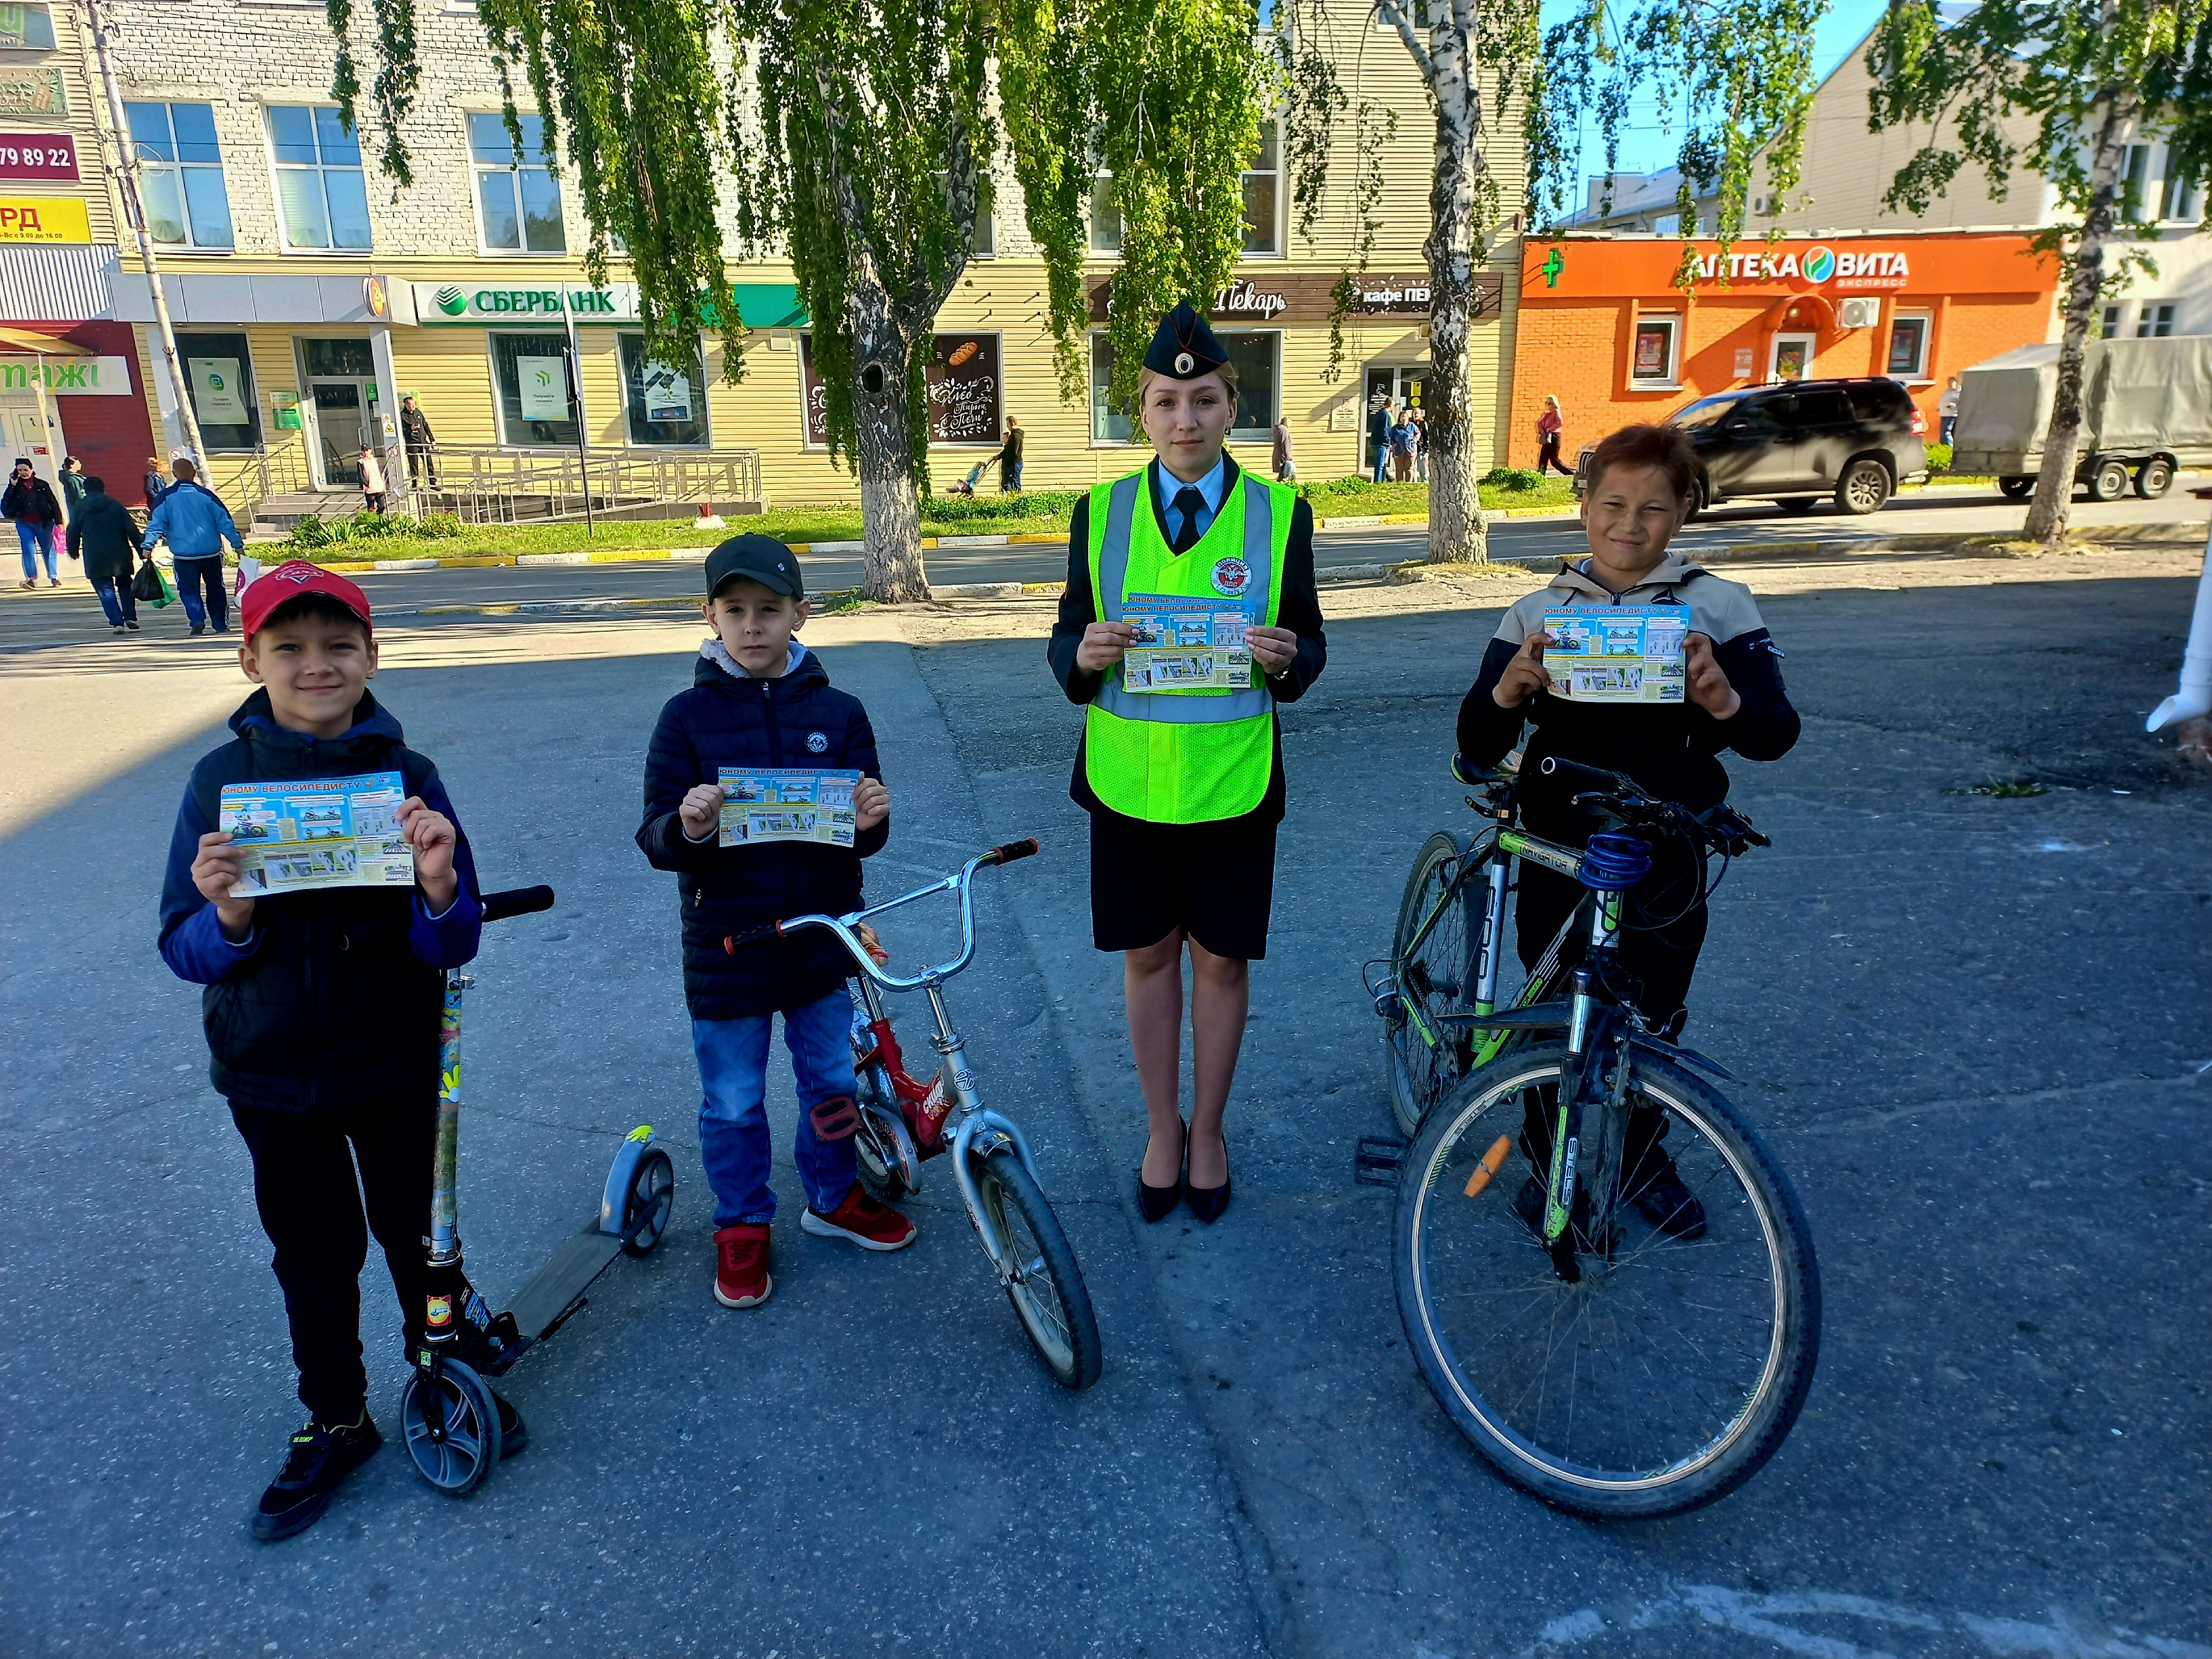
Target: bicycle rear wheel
(1674, 1368)
(1433, 974)
(1045, 1286)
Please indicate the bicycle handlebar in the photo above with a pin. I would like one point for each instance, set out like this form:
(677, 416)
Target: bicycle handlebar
(1720, 827)
(515, 902)
(843, 925)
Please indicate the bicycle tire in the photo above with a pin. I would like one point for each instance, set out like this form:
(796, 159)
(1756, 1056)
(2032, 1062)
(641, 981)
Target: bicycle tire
(1047, 1290)
(1488, 1396)
(1420, 1075)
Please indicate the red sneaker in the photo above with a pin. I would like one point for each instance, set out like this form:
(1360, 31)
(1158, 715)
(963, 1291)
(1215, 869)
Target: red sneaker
(871, 1225)
(741, 1277)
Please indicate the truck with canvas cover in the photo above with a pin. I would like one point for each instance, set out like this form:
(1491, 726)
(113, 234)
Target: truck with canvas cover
(2146, 413)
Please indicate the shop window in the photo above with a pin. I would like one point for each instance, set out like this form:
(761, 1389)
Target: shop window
(31, 27)
(529, 373)
(2134, 177)
(1262, 194)
(518, 199)
(345, 359)
(983, 240)
(1105, 217)
(1258, 358)
(2181, 199)
(321, 192)
(180, 174)
(666, 402)
(219, 379)
(2154, 322)
(2108, 324)
(1652, 357)
(1909, 334)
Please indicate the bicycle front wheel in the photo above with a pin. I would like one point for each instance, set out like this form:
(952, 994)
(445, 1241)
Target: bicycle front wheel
(1431, 964)
(1042, 1281)
(1665, 1376)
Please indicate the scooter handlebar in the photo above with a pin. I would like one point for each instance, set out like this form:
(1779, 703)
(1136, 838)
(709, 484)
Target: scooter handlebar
(516, 901)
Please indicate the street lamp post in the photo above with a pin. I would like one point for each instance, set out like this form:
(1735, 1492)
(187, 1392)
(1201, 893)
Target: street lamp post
(126, 174)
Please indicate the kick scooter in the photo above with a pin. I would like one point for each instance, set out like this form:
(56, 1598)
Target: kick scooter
(897, 1122)
(446, 1413)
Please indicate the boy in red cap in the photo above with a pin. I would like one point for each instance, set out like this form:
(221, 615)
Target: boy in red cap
(322, 1009)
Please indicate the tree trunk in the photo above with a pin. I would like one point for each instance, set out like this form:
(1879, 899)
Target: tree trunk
(2054, 486)
(1455, 529)
(883, 423)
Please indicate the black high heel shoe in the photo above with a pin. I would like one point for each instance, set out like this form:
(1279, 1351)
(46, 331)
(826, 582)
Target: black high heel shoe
(1208, 1203)
(1158, 1203)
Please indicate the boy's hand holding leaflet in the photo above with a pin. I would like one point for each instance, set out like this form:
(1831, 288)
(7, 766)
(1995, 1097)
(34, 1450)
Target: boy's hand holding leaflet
(1524, 676)
(433, 837)
(1708, 685)
(701, 810)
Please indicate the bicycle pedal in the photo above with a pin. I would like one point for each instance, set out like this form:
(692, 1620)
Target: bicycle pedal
(837, 1120)
(1376, 1161)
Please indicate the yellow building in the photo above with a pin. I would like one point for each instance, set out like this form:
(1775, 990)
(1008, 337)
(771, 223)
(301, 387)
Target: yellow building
(309, 297)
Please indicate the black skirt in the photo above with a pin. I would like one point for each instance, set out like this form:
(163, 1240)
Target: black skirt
(1214, 881)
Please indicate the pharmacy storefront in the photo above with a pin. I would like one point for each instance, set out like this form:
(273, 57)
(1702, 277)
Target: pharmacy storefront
(1608, 328)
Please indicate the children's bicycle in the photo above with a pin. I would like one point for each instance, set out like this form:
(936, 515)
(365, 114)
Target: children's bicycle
(1603, 1273)
(902, 1123)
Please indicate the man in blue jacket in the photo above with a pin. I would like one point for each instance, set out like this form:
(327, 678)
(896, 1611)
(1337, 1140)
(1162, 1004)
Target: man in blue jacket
(195, 524)
(759, 700)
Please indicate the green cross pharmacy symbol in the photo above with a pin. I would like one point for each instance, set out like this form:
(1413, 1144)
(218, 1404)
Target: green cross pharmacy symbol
(1554, 263)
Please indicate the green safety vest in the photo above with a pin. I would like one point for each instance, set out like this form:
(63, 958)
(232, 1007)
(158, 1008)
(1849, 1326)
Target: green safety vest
(1196, 755)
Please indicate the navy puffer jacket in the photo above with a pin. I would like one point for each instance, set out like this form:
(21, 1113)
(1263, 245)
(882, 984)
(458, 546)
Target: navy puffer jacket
(726, 719)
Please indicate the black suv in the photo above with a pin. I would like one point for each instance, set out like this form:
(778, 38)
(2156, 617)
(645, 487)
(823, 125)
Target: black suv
(1855, 440)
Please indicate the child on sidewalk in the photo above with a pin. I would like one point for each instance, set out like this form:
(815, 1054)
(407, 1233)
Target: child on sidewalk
(759, 700)
(322, 1009)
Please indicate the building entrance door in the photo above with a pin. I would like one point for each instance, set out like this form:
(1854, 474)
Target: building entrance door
(341, 409)
(1793, 358)
(1402, 388)
(26, 434)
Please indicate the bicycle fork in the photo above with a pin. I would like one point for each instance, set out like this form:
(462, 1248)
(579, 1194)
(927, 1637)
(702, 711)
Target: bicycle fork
(1590, 1034)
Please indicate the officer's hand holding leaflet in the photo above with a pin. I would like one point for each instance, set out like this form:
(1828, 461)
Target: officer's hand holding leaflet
(1273, 648)
(1104, 642)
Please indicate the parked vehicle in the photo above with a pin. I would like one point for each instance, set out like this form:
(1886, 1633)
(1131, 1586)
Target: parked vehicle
(1854, 440)
(2146, 413)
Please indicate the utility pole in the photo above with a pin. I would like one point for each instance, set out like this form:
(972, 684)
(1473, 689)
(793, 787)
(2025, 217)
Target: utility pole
(134, 210)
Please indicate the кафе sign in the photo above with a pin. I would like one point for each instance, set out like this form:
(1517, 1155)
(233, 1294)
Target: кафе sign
(1311, 297)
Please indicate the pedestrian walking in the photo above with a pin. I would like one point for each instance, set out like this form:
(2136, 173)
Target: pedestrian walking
(372, 478)
(1287, 467)
(422, 445)
(72, 483)
(1010, 459)
(1184, 785)
(1946, 411)
(1402, 435)
(1550, 425)
(29, 502)
(1420, 446)
(157, 482)
(194, 521)
(102, 533)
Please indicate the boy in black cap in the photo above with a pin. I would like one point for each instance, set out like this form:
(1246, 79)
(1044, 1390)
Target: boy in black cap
(1184, 782)
(759, 700)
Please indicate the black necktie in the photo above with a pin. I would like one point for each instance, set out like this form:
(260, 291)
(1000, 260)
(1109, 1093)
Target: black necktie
(1190, 502)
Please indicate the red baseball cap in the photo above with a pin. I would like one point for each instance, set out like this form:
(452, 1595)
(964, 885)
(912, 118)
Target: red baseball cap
(289, 580)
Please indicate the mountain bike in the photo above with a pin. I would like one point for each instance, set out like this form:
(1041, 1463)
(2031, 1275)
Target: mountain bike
(1604, 1275)
(902, 1121)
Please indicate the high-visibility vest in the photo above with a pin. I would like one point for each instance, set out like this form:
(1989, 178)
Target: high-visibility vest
(1197, 755)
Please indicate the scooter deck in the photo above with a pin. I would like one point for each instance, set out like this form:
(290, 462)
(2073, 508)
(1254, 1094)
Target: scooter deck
(553, 1290)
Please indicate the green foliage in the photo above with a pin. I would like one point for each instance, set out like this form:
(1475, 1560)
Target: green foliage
(312, 533)
(986, 513)
(1738, 78)
(1515, 478)
(1939, 458)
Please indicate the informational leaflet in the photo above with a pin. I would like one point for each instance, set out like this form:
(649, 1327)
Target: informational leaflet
(1185, 643)
(785, 803)
(1617, 653)
(318, 832)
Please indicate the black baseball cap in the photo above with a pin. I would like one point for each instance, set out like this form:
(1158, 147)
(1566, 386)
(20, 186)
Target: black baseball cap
(761, 559)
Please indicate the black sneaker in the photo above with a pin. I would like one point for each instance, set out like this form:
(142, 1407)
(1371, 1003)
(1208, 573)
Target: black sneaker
(319, 1458)
(513, 1432)
(1670, 1206)
(197, 632)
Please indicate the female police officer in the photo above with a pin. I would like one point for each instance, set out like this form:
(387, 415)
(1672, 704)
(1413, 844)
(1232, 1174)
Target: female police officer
(1185, 787)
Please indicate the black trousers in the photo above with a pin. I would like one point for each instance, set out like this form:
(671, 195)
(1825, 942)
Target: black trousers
(1548, 456)
(1664, 957)
(312, 1173)
(421, 460)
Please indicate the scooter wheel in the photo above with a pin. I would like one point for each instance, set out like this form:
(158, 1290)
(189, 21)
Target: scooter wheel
(652, 1197)
(458, 1464)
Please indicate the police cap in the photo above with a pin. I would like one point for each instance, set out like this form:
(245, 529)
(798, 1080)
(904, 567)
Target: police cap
(1184, 347)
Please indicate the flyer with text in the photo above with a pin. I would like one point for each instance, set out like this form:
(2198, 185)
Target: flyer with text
(1617, 653)
(318, 832)
(768, 803)
(1186, 643)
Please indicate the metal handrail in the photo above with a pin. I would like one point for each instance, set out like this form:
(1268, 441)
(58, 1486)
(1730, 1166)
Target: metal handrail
(486, 484)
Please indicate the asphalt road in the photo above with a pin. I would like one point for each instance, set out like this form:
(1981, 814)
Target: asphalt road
(1971, 1027)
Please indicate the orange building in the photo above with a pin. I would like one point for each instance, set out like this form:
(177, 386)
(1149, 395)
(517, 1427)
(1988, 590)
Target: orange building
(1606, 328)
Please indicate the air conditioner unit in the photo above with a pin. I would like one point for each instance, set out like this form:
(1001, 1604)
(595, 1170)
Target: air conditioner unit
(1858, 314)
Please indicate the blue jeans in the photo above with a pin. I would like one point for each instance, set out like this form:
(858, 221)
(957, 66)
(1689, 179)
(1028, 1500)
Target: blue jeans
(1382, 463)
(40, 536)
(733, 1140)
(115, 600)
(1010, 478)
(191, 575)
